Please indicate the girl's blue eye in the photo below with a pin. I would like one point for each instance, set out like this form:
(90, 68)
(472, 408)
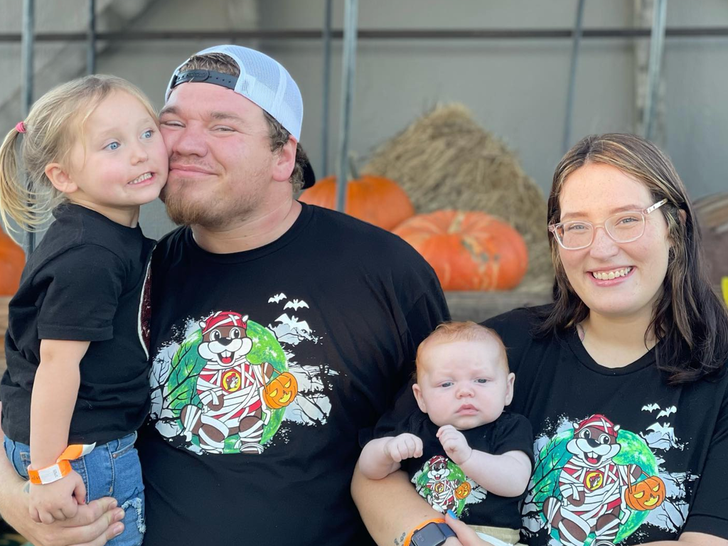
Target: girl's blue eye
(112, 146)
(481, 380)
(446, 384)
(147, 134)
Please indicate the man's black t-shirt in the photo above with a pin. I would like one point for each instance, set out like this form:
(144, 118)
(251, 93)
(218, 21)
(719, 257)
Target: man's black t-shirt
(84, 282)
(266, 366)
(443, 483)
(621, 456)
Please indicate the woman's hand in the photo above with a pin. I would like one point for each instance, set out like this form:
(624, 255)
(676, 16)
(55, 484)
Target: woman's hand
(465, 534)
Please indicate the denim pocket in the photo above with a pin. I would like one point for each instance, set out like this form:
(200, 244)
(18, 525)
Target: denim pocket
(18, 455)
(120, 447)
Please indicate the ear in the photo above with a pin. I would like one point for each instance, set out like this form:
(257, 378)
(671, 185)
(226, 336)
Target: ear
(418, 396)
(510, 381)
(285, 161)
(60, 178)
(683, 216)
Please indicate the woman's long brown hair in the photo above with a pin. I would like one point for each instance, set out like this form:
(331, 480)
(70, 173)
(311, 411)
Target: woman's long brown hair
(689, 322)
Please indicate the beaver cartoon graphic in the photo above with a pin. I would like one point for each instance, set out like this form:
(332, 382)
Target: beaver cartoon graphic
(439, 489)
(229, 388)
(592, 486)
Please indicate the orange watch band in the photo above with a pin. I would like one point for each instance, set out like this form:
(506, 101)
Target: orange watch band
(408, 538)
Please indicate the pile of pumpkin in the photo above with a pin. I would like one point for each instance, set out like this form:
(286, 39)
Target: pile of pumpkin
(469, 250)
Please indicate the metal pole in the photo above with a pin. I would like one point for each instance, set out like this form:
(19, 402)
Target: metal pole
(347, 92)
(91, 40)
(326, 91)
(572, 75)
(657, 42)
(27, 44)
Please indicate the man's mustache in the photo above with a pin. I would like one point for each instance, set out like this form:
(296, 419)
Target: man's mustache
(181, 162)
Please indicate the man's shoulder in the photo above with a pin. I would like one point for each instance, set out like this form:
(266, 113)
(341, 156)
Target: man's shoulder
(369, 241)
(170, 247)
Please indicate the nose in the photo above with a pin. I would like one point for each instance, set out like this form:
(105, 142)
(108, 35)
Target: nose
(464, 390)
(603, 245)
(185, 141)
(139, 153)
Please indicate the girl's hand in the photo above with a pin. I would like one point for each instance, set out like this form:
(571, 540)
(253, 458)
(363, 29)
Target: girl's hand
(57, 501)
(404, 446)
(454, 444)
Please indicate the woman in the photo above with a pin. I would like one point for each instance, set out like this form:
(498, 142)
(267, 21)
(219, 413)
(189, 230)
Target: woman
(624, 376)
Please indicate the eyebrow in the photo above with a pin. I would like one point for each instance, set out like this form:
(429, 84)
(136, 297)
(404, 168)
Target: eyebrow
(112, 129)
(217, 116)
(168, 110)
(625, 208)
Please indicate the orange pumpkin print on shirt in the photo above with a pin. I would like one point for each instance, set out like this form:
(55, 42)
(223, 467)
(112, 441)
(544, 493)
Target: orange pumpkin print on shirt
(645, 495)
(280, 391)
(463, 490)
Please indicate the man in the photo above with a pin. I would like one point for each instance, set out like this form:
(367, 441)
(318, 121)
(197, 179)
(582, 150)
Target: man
(279, 331)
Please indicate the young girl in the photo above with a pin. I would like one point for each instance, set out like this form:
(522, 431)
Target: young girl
(76, 387)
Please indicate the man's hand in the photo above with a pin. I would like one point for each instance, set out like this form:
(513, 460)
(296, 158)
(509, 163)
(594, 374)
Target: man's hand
(57, 501)
(93, 524)
(404, 446)
(454, 444)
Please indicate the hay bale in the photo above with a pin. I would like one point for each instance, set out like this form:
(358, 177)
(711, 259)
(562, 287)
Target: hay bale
(446, 160)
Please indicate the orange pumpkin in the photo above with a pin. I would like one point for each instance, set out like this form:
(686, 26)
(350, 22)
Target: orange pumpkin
(374, 199)
(645, 495)
(12, 261)
(468, 250)
(463, 490)
(280, 391)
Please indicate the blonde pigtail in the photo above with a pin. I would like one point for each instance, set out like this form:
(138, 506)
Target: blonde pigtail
(16, 201)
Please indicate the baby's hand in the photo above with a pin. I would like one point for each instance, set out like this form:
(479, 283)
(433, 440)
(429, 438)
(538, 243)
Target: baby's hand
(57, 501)
(404, 446)
(454, 444)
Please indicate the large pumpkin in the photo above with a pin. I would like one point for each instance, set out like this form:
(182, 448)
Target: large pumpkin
(12, 261)
(645, 495)
(374, 199)
(468, 250)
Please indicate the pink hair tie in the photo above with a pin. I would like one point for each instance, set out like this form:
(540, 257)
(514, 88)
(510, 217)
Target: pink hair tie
(20, 127)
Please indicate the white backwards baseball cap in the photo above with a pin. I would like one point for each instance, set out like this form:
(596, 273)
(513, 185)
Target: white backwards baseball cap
(262, 80)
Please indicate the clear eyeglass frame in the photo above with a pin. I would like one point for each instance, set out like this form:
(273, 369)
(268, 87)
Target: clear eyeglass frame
(560, 229)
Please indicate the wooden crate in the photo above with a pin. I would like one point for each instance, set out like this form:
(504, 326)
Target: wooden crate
(478, 306)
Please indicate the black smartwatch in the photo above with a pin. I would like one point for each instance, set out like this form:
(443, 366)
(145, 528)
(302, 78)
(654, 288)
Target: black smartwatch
(432, 534)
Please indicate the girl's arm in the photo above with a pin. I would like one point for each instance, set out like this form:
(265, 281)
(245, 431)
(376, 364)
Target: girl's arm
(55, 389)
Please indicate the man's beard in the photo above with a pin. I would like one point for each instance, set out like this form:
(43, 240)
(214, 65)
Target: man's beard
(187, 211)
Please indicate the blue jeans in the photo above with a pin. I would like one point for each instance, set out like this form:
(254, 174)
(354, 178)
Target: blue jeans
(110, 470)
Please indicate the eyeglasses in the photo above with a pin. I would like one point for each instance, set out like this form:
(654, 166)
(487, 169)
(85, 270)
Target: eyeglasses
(623, 227)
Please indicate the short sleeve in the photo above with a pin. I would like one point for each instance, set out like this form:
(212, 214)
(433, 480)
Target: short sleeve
(396, 420)
(709, 509)
(82, 294)
(512, 432)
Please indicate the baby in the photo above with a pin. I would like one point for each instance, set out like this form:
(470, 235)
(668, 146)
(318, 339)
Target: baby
(464, 451)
